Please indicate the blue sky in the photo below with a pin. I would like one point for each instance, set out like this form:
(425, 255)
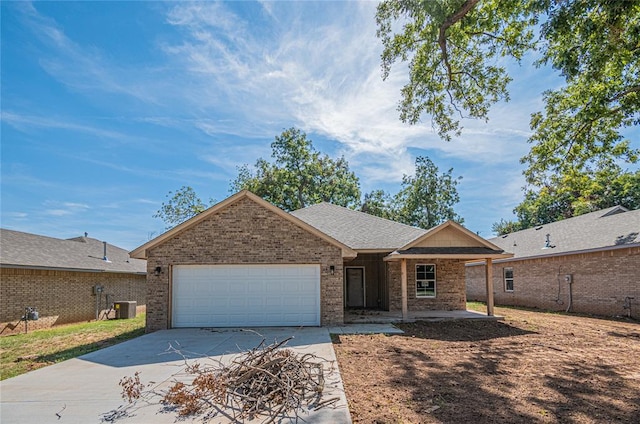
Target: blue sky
(107, 106)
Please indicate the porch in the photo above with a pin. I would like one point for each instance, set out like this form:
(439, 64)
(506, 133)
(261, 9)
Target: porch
(368, 316)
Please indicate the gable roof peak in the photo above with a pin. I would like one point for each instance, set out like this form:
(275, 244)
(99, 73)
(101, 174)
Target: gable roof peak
(141, 251)
(457, 227)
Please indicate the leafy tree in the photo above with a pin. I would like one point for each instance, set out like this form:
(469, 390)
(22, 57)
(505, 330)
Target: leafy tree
(425, 199)
(575, 193)
(299, 176)
(379, 203)
(182, 205)
(505, 227)
(594, 44)
(453, 47)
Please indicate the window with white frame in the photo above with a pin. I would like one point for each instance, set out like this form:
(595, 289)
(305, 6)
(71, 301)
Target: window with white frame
(508, 279)
(425, 280)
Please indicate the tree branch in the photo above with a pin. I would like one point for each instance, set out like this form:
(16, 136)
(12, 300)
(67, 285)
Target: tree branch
(632, 89)
(587, 127)
(451, 20)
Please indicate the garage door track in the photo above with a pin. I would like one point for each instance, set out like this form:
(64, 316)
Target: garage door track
(85, 389)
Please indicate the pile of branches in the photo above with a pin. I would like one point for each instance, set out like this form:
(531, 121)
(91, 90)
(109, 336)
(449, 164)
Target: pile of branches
(269, 381)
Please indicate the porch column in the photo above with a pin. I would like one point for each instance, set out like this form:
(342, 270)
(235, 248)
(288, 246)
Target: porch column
(403, 285)
(488, 275)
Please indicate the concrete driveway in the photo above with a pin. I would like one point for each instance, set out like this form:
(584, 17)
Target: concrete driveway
(84, 389)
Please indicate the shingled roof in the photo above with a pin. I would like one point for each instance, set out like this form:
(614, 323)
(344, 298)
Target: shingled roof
(25, 250)
(605, 229)
(358, 230)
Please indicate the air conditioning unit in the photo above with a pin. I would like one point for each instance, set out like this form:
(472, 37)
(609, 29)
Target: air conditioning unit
(125, 309)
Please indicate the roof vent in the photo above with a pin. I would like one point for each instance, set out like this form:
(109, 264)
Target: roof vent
(616, 210)
(539, 228)
(104, 244)
(547, 243)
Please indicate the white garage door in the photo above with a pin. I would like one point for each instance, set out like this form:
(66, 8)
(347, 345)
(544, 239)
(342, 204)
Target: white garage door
(246, 295)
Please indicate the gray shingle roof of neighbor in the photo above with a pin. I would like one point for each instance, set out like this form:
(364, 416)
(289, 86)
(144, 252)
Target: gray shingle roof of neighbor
(606, 228)
(358, 230)
(25, 250)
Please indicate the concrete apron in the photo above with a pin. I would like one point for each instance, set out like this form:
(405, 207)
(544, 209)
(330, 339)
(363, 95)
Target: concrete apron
(84, 389)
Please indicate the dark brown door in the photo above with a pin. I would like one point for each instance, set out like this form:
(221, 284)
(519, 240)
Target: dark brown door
(355, 288)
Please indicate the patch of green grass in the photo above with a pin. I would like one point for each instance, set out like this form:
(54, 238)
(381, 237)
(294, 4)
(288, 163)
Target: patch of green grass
(482, 307)
(21, 353)
(477, 306)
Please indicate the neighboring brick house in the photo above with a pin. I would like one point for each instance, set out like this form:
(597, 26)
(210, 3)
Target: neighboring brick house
(588, 264)
(245, 262)
(58, 278)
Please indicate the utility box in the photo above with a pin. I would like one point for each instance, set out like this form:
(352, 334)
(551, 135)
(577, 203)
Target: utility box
(125, 309)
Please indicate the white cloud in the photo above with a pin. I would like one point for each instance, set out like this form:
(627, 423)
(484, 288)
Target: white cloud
(58, 208)
(72, 205)
(85, 68)
(15, 215)
(322, 70)
(312, 65)
(146, 201)
(58, 212)
(27, 122)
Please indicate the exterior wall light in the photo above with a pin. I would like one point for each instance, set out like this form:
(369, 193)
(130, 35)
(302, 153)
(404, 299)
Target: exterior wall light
(157, 271)
(332, 269)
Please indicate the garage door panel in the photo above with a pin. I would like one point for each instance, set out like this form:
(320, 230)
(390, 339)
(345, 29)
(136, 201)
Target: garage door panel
(246, 295)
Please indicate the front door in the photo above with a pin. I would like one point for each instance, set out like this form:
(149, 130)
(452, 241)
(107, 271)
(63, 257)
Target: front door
(355, 287)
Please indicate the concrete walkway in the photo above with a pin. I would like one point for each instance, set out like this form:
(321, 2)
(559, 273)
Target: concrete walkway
(367, 316)
(84, 389)
(365, 329)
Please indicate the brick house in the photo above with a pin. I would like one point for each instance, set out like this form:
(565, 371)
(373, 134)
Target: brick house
(245, 262)
(58, 277)
(588, 264)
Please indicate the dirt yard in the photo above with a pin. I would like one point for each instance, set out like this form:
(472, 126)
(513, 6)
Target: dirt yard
(531, 367)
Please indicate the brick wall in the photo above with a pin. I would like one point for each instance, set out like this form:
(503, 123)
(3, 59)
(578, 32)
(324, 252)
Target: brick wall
(601, 282)
(61, 297)
(244, 233)
(450, 286)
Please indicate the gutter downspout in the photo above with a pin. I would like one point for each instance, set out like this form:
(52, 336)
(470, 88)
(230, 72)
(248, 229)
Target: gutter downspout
(569, 280)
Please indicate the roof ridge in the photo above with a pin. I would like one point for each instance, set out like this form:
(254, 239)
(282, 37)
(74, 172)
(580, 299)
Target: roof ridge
(34, 235)
(73, 239)
(364, 213)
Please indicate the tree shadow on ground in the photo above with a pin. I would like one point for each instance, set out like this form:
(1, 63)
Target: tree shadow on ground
(580, 388)
(89, 347)
(533, 378)
(480, 388)
(632, 336)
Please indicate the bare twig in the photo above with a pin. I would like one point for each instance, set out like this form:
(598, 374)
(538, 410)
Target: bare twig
(268, 382)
